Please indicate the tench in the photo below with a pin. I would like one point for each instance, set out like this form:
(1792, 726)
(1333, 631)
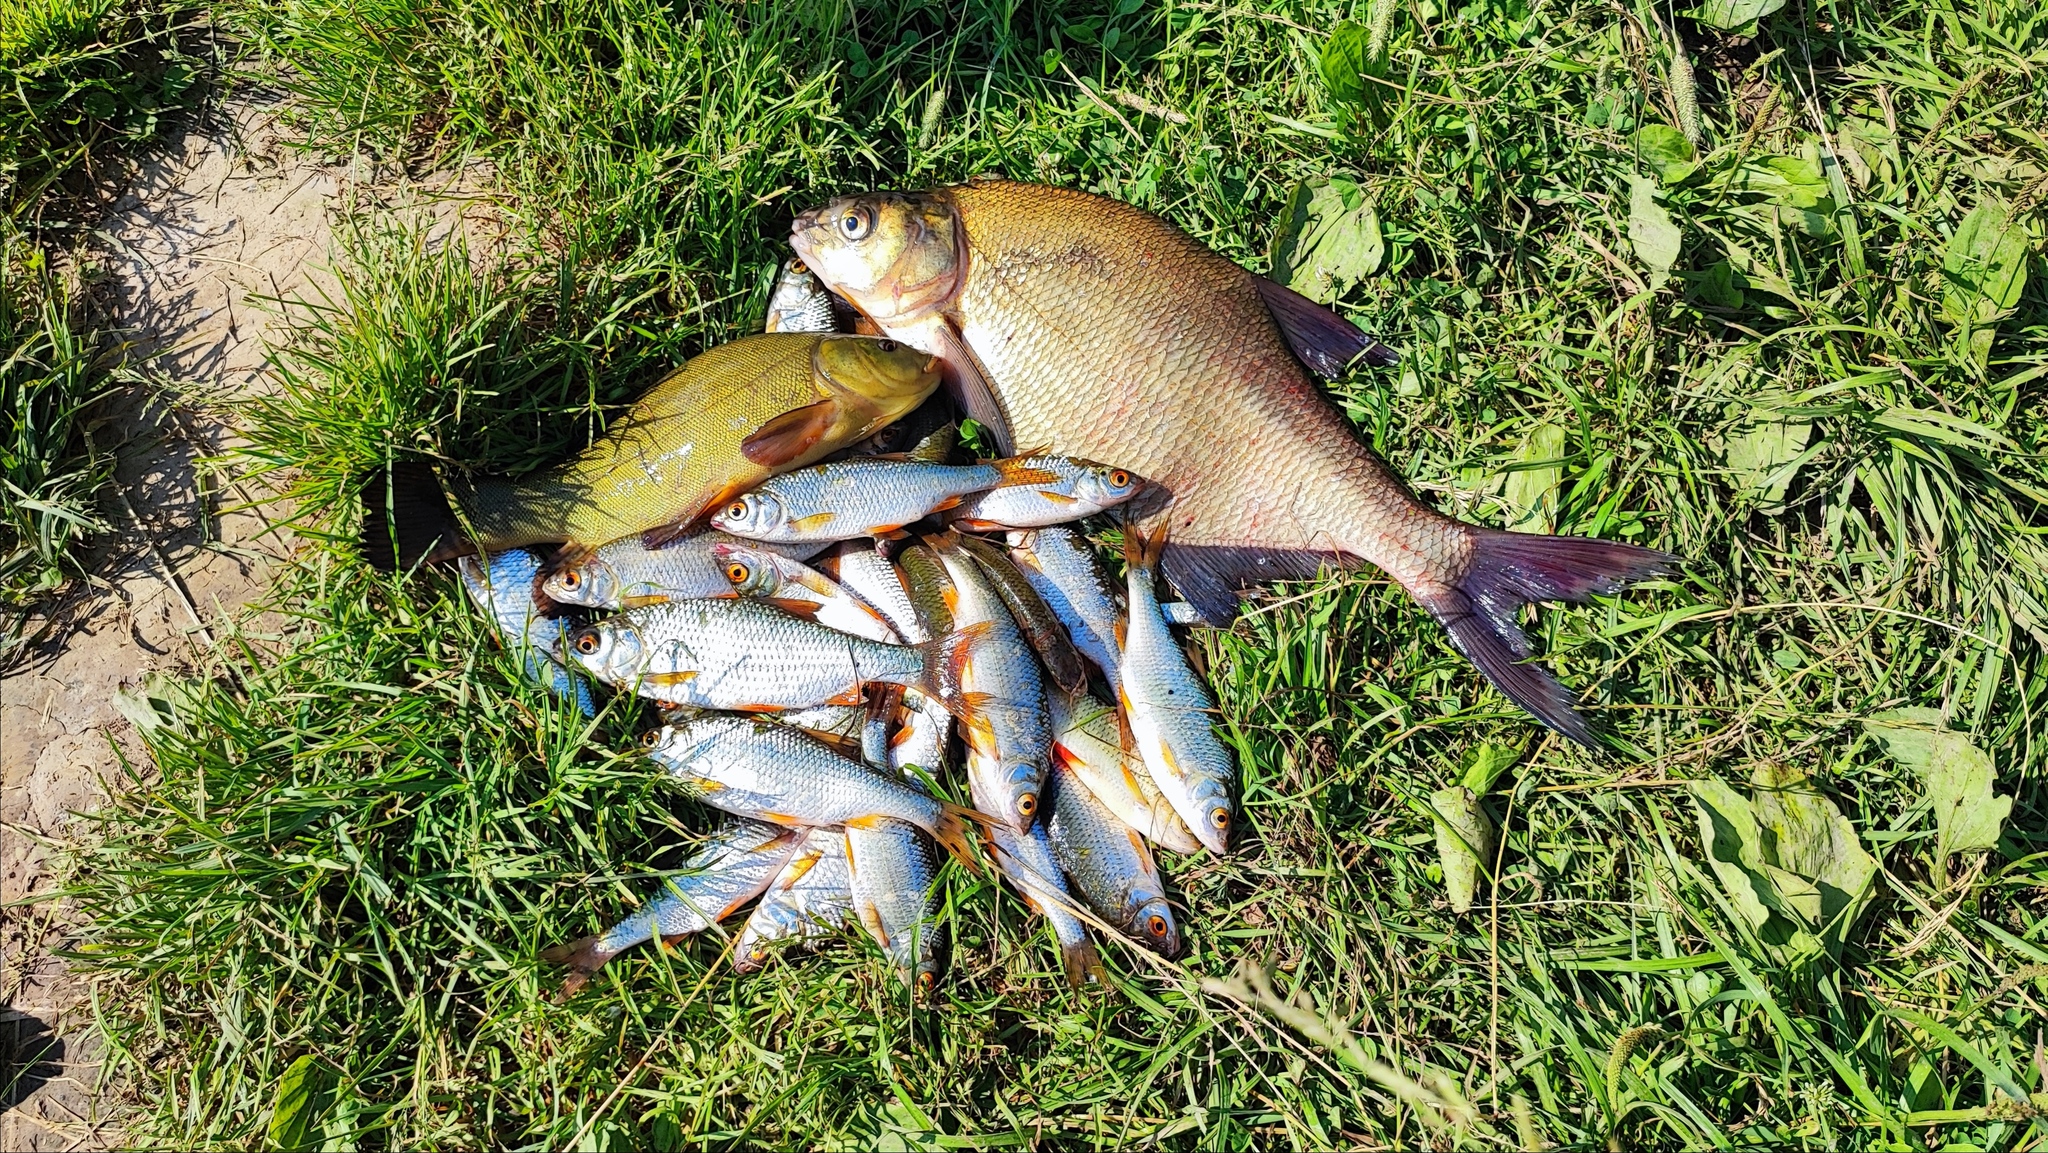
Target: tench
(1075, 324)
(721, 424)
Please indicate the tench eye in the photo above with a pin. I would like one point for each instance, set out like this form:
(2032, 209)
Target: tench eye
(887, 345)
(855, 224)
(1156, 926)
(736, 573)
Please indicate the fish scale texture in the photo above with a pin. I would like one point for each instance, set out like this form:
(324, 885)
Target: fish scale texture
(678, 450)
(1087, 365)
(770, 773)
(745, 655)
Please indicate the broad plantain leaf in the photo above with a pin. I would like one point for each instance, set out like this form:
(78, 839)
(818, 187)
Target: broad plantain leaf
(1734, 848)
(1811, 840)
(1736, 13)
(1764, 457)
(1666, 150)
(1464, 842)
(1328, 239)
(1985, 267)
(1345, 63)
(1531, 493)
(1959, 776)
(1650, 230)
(1485, 764)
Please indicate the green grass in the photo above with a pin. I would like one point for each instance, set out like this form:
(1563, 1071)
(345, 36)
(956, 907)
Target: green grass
(366, 826)
(82, 82)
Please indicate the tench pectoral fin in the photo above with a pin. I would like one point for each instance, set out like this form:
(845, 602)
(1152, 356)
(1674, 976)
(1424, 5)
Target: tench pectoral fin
(970, 386)
(1324, 341)
(786, 438)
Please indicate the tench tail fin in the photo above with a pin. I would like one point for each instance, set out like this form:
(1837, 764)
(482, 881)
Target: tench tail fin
(407, 518)
(583, 957)
(1324, 341)
(1509, 570)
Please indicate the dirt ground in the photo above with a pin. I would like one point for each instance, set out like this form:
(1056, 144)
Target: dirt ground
(203, 231)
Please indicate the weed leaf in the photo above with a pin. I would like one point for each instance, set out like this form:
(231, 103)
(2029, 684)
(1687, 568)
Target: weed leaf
(1729, 14)
(1958, 776)
(1666, 150)
(1464, 842)
(1328, 239)
(300, 1106)
(1651, 230)
(1345, 64)
(1531, 490)
(1485, 764)
(1763, 458)
(1786, 852)
(1985, 267)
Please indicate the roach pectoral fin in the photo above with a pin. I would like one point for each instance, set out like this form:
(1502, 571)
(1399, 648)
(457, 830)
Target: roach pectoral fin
(786, 438)
(1324, 341)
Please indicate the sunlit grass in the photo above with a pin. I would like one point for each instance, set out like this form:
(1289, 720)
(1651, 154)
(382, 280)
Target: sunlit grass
(366, 830)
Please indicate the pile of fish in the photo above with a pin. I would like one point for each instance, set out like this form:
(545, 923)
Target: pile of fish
(784, 547)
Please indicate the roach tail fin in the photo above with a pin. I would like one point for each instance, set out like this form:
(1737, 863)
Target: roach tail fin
(1084, 965)
(1509, 570)
(951, 833)
(1324, 341)
(943, 660)
(407, 518)
(583, 957)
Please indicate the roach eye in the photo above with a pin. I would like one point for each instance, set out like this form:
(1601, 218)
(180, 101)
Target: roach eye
(650, 738)
(736, 509)
(736, 573)
(798, 267)
(1119, 478)
(1027, 804)
(586, 643)
(1220, 818)
(926, 981)
(1157, 925)
(571, 579)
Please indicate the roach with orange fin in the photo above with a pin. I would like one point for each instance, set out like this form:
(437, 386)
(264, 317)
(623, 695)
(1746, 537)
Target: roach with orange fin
(1097, 330)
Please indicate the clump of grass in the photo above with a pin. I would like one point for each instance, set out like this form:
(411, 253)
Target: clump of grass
(1748, 351)
(50, 470)
(79, 81)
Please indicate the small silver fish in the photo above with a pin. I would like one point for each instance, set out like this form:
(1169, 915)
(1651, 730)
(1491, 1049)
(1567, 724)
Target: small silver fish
(1090, 746)
(1005, 717)
(748, 656)
(793, 585)
(895, 872)
(861, 567)
(627, 574)
(774, 773)
(799, 303)
(1027, 861)
(503, 588)
(728, 870)
(810, 898)
(1169, 708)
(862, 496)
(1108, 862)
(1079, 488)
(1061, 565)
